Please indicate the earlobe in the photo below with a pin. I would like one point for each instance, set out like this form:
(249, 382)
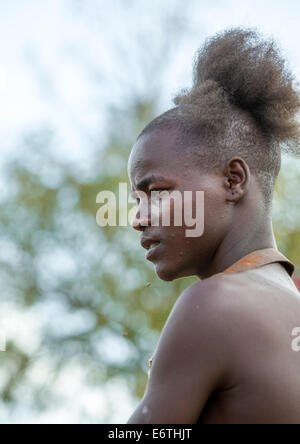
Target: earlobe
(235, 195)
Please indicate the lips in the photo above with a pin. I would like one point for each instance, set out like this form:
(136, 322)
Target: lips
(153, 250)
(151, 245)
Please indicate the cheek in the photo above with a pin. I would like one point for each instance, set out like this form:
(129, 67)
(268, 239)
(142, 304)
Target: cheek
(169, 211)
(217, 213)
(181, 208)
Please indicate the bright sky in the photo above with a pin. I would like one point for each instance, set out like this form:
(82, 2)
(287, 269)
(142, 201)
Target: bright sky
(43, 77)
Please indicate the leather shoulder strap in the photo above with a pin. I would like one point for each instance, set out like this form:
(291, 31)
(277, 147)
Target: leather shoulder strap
(258, 258)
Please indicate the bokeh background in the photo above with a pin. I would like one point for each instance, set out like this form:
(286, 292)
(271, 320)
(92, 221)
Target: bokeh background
(81, 308)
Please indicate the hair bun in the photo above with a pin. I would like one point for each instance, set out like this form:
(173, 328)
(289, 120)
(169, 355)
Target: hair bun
(249, 72)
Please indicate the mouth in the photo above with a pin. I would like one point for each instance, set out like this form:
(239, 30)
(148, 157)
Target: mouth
(151, 245)
(152, 250)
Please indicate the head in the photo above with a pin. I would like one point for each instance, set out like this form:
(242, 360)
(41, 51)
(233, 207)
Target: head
(224, 137)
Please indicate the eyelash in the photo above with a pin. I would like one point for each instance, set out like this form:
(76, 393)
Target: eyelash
(158, 189)
(153, 189)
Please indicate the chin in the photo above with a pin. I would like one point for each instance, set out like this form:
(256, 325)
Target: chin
(169, 274)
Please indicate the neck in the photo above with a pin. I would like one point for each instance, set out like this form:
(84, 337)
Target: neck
(240, 241)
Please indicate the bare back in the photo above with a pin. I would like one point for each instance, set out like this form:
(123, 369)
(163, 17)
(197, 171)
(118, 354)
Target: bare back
(225, 354)
(265, 371)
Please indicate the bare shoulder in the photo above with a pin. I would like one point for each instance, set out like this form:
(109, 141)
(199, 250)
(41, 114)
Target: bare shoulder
(239, 309)
(209, 313)
(224, 309)
(218, 297)
(190, 361)
(199, 337)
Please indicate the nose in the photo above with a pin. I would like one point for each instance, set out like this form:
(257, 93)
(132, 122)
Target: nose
(142, 217)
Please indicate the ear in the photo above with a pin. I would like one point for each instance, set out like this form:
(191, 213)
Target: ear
(237, 179)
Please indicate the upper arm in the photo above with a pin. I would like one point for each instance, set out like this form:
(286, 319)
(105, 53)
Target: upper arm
(188, 363)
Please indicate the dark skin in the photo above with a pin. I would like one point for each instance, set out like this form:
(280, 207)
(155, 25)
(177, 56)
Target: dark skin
(224, 355)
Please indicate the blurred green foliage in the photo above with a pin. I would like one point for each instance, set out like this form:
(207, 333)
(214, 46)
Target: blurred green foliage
(286, 211)
(58, 254)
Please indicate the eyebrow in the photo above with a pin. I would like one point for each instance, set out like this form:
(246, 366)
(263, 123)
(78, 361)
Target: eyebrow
(144, 183)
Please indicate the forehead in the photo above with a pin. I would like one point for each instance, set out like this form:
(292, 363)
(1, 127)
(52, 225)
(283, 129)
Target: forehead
(154, 153)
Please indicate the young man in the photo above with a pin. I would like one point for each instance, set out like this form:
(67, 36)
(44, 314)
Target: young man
(225, 353)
